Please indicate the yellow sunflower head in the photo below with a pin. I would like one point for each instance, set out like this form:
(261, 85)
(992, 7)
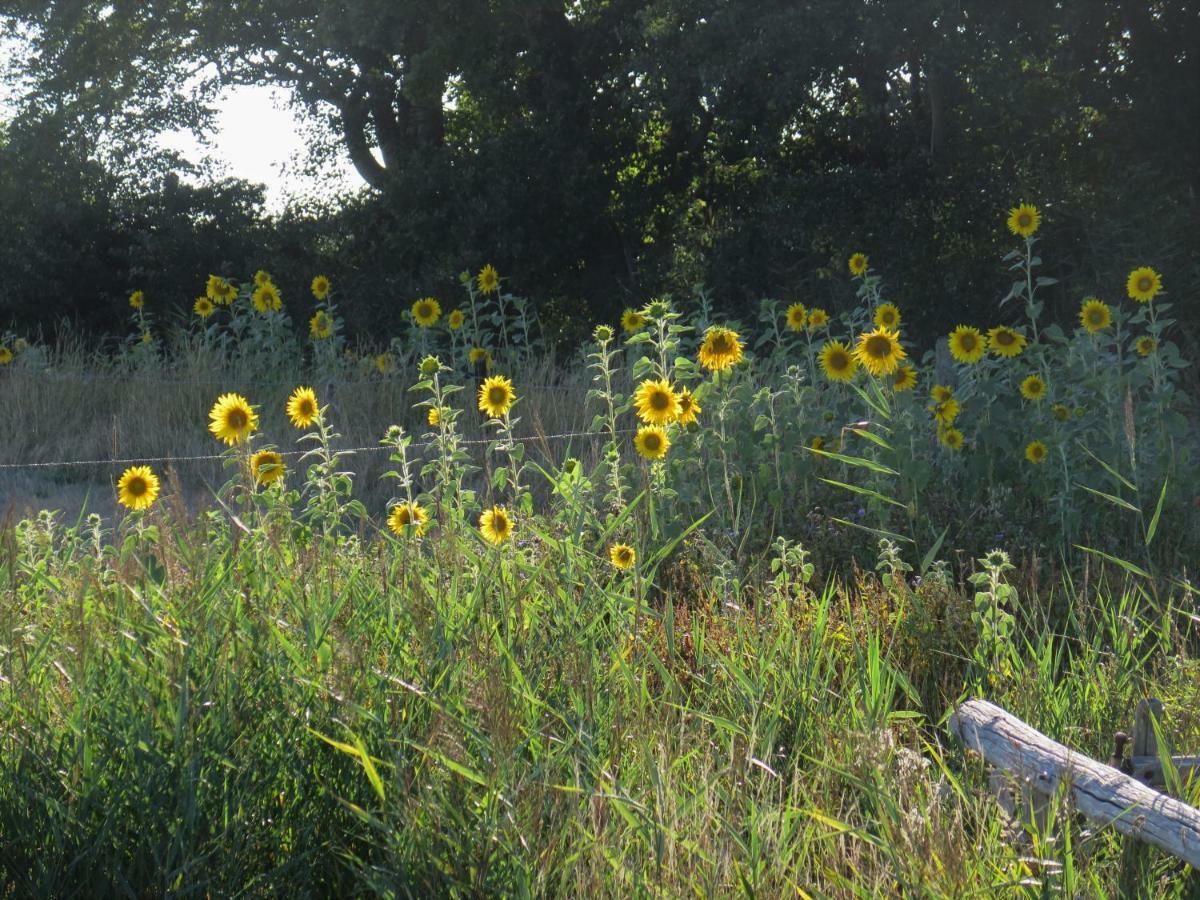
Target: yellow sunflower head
(478, 356)
(904, 378)
(652, 442)
(689, 409)
(622, 556)
(1024, 220)
(266, 466)
(1061, 412)
(941, 393)
(408, 520)
(721, 349)
(320, 326)
(320, 287)
(137, 299)
(232, 419)
(426, 312)
(495, 524)
(838, 363)
(262, 277)
(1035, 452)
(879, 351)
(887, 315)
(817, 318)
(203, 307)
(946, 411)
(966, 344)
(796, 316)
(1033, 388)
(266, 298)
(656, 403)
(6, 355)
(138, 488)
(858, 264)
(950, 437)
(1094, 315)
(488, 280)
(1005, 341)
(1145, 345)
(302, 407)
(434, 416)
(455, 319)
(496, 396)
(385, 363)
(1143, 284)
(632, 320)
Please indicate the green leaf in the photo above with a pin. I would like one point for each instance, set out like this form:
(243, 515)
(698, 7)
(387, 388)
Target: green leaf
(856, 461)
(867, 492)
(1123, 563)
(1153, 529)
(1111, 498)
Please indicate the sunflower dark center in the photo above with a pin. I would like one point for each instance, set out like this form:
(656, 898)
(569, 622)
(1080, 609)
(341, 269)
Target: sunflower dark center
(839, 359)
(1005, 338)
(1024, 220)
(652, 441)
(1095, 316)
(879, 347)
(500, 522)
(1145, 283)
(236, 419)
(720, 344)
(497, 396)
(136, 487)
(660, 400)
(967, 341)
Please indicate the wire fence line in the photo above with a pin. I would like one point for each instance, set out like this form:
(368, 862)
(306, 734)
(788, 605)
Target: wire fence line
(352, 451)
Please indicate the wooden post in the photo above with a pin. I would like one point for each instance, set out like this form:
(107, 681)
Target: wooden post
(1102, 793)
(1134, 855)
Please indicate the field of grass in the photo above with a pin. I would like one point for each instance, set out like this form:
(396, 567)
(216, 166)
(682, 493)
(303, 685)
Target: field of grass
(682, 614)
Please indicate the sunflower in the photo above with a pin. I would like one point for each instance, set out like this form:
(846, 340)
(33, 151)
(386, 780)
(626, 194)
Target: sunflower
(320, 287)
(1143, 284)
(266, 466)
(689, 409)
(496, 396)
(434, 416)
(302, 407)
(950, 437)
(796, 316)
(320, 326)
(1024, 220)
(904, 378)
(721, 349)
(941, 392)
(496, 525)
(838, 362)
(1033, 388)
(1035, 452)
(480, 356)
(137, 488)
(261, 277)
(488, 279)
(817, 318)
(455, 320)
(622, 556)
(887, 315)
(219, 290)
(1145, 345)
(266, 298)
(1061, 412)
(1005, 341)
(879, 351)
(858, 264)
(966, 344)
(652, 442)
(1094, 315)
(203, 307)
(385, 363)
(232, 419)
(137, 299)
(426, 312)
(407, 519)
(947, 411)
(632, 320)
(6, 355)
(656, 403)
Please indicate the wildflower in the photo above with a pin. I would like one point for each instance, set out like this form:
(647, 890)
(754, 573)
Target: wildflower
(426, 312)
(966, 344)
(266, 298)
(652, 442)
(496, 396)
(1024, 220)
(887, 315)
(622, 556)
(478, 356)
(455, 319)
(137, 299)
(1145, 345)
(1035, 452)
(266, 466)
(838, 362)
(232, 419)
(1094, 315)
(950, 437)
(496, 525)
(858, 264)
(632, 320)
(689, 409)
(203, 307)
(904, 378)
(302, 407)
(489, 280)
(879, 351)
(407, 519)
(1033, 388)
(138, 488)
(817, 318)
(320, 287)
(720, 349)
(1005, 341)
(796, 315)
(320, 326)
(656, 403)
(1143, 284)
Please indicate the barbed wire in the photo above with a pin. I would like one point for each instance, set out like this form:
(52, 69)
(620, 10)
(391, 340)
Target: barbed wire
(351, 451)
(234, 381)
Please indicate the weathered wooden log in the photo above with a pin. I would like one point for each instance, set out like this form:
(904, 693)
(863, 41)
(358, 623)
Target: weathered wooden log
(1100, 792)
